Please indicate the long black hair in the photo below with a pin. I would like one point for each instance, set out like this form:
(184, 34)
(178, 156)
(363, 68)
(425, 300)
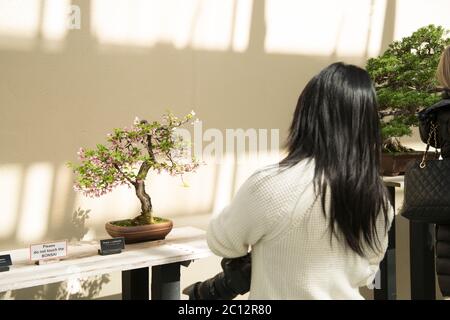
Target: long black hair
(336, 123)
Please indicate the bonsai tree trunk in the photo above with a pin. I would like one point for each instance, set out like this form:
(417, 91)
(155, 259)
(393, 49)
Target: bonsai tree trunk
(146, 216)
(393, 145)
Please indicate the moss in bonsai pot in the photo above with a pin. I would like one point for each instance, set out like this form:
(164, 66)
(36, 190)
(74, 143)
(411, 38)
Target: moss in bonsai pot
(128, 158)
(134, 222)
(405, 81)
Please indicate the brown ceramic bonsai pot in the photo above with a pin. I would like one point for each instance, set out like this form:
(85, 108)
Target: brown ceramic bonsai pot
(395, 164)
(142, 233)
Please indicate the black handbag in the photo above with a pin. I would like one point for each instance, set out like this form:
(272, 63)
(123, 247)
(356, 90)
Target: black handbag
(427, 187)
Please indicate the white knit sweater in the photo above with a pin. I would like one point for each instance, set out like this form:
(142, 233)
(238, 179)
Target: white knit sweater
(279, 216)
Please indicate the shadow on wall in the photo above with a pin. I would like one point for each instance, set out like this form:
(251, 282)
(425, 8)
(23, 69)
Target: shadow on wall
(58, 95)
(72, 289)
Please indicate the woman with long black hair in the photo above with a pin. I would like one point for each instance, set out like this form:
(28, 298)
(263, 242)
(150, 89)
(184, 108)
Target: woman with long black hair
(317, 224)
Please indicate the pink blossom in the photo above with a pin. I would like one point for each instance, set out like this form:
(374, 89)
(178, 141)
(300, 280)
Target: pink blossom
(81, 154)
(130, 145)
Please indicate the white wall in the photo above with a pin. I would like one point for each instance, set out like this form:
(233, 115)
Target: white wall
(238, 63)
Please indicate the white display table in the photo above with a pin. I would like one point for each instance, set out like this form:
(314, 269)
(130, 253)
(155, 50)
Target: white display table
(180, 247)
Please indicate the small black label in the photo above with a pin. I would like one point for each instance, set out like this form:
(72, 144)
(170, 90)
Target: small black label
(5, 262)
(111, 246)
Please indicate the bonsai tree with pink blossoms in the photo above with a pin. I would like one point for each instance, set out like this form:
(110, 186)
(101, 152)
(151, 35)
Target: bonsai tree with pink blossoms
(128, 158)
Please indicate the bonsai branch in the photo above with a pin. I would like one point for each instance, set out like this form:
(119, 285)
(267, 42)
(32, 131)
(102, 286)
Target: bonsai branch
(149, 147)
(398, 112)
(123, 174)
(393, 145)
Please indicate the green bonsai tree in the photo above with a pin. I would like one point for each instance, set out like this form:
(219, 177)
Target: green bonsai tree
(129, 156)
(405, 81)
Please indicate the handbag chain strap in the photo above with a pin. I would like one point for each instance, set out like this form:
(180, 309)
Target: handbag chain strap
(433, 129)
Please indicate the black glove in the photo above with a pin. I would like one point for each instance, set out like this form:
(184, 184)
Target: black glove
(238, 273)
(234, 280)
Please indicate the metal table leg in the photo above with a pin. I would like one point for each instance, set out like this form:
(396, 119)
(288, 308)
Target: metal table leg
(135, 284)
(421, 242)
(166, 282)
(386, 289)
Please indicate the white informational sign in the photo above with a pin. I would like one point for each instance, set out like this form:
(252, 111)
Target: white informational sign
(46, 251)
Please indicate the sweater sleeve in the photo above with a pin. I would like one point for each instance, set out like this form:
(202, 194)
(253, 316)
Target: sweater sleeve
(377, 256)
(244, 222)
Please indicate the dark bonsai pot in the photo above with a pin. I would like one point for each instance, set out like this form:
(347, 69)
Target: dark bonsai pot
(395, 164)
(140, 233)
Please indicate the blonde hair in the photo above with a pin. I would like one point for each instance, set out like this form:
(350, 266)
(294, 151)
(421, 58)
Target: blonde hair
(443, 70)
